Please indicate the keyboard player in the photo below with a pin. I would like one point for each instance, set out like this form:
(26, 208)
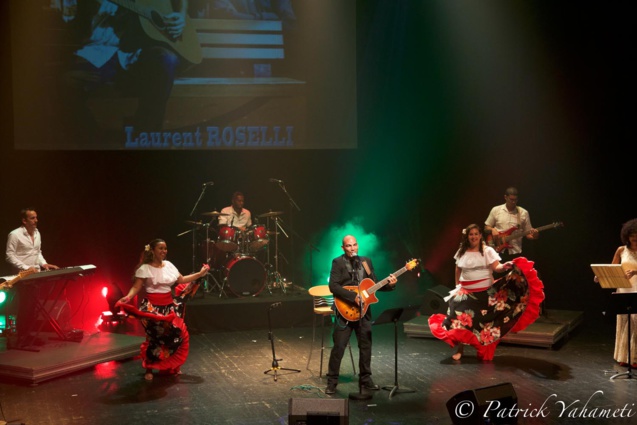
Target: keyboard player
(24, 251)
(24, 245)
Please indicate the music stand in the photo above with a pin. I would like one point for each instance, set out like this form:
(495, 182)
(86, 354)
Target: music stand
(396, 315)
(613, 276)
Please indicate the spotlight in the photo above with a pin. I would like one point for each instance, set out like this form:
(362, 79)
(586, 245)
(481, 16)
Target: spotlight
(112, 294)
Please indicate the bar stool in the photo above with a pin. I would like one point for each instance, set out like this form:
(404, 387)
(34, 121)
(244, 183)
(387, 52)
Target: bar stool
(323, 300)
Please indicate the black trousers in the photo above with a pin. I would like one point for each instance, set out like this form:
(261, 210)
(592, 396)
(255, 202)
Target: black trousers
(341, 336)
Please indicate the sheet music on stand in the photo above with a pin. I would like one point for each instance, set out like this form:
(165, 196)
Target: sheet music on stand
(611, 275)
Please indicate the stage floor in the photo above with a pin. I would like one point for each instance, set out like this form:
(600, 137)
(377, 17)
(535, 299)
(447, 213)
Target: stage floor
(223, 382)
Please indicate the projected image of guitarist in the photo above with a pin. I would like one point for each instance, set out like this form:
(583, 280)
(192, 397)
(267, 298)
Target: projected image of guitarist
(348, 270)
(137, 47)
(503, 220)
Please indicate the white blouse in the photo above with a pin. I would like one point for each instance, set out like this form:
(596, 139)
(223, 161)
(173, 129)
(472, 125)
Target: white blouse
(158, 280)
(475, 266)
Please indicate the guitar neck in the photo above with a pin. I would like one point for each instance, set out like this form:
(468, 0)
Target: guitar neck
(133, 7)
(375, 287)
(520, 233)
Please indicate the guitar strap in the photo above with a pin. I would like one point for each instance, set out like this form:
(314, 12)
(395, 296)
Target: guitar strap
(366, 267)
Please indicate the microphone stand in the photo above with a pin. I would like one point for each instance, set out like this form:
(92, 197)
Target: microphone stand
(275, 362)
(360, 395)
(293, 206)
(194, 242)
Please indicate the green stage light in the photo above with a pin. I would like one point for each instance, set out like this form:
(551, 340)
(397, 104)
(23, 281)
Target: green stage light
(3, 297)
(330, 247)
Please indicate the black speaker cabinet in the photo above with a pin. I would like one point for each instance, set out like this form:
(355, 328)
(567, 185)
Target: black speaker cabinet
(434, 302)
(318, 411)
(470, 407)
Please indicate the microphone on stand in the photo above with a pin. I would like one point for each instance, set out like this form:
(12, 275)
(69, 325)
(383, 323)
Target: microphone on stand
(356, 261)
(275, 180)
(208, 184)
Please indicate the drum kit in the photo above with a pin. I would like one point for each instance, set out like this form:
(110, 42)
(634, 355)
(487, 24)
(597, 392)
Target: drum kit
(236, 257)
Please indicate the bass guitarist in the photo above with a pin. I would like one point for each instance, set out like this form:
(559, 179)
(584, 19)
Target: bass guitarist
(348, 270)
(505, 217)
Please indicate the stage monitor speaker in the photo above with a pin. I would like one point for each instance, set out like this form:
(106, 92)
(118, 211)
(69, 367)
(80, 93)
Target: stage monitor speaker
(481, 406)
(318, 411)
(434, 302)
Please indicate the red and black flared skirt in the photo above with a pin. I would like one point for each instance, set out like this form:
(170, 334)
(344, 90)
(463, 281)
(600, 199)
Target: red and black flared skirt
(481, 319)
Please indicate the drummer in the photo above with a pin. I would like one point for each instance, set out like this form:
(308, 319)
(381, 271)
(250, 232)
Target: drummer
(235, 215)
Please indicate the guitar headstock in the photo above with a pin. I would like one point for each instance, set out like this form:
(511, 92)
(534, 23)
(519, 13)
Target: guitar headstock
(558, 224)
(25, 273)
(411, 264)
(20, 275)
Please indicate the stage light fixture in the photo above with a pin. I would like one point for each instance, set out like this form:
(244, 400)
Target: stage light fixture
(112, 294)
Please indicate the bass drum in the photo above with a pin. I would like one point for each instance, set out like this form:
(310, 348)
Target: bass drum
(245, 276)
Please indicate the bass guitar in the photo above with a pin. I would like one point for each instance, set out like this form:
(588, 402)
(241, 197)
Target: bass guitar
(501, 241)
(151, 17)
(352, 311)
(9, 283)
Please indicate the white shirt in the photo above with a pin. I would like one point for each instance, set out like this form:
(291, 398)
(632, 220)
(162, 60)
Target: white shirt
(22, 251)
(475, 266)
(502, 219)
(233, 219)
(158, 280)
(629, 257)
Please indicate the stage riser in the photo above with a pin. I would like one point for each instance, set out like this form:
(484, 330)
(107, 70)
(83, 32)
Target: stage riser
(545, 332)
(61, 358)
(237, 314)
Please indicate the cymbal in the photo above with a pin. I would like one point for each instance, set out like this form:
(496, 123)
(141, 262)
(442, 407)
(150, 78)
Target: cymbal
(270, 214)
(194, 223)
(214, 214)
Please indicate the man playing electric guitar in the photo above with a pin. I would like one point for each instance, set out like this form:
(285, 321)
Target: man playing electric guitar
(347, 270)
(506, 216)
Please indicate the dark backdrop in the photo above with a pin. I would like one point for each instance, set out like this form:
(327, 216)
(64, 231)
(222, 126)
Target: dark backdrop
(455, 103)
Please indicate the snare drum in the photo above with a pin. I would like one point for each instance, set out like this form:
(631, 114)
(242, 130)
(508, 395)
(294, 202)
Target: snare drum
(228, 239)
(245, 276)
(257, 237)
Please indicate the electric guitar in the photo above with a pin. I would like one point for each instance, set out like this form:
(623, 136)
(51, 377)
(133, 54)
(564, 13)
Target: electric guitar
(501, 241)
(9, 284)
(151, 13)
(352, 311)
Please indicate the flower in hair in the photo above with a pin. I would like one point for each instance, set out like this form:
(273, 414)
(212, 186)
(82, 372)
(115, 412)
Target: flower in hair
(147, 248)
(464, 231)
